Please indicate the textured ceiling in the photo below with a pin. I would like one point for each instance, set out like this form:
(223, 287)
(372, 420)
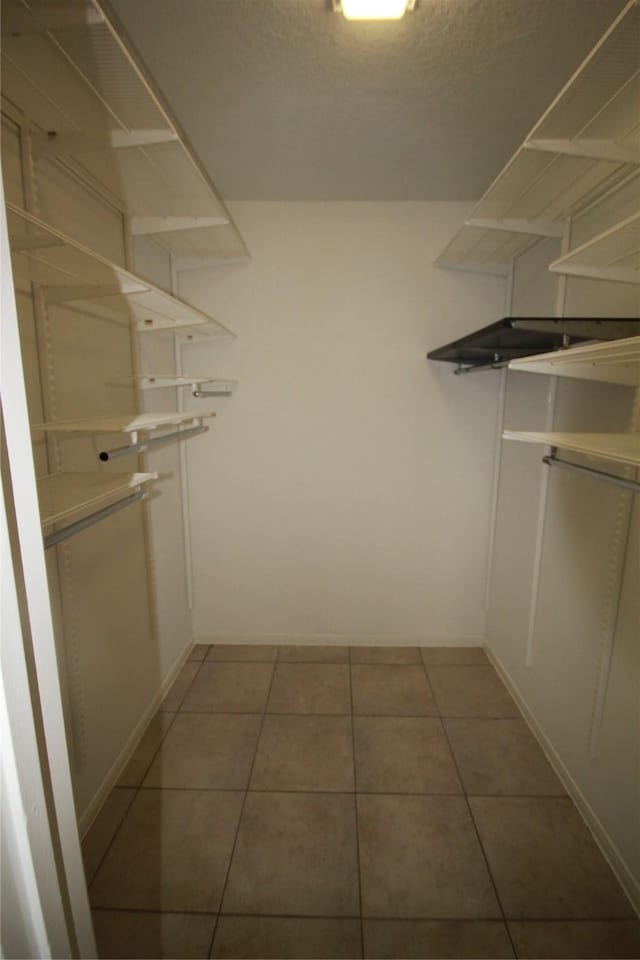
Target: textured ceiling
(284, 100)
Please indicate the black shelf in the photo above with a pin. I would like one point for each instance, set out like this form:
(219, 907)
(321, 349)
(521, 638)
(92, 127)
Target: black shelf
(514, 337)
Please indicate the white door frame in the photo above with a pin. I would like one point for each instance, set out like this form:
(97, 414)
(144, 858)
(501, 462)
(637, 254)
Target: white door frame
(37, 776)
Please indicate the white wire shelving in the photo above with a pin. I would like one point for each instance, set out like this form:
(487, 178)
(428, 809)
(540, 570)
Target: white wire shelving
(189, 425)
(611, 361)
(612, 255)
(70, 273)
(123, 424)
(64, 495)
(201, 385)
(91, 107)
(586, 142)
(621, 448)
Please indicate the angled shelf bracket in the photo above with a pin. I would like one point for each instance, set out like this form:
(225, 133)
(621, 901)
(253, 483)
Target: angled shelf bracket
(144, 226)
(495, 268)
(591, 149)
(534, 228)
(68, 144)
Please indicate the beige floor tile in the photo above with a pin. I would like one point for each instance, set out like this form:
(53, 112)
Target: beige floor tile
(260, 652)
(171, 852)
(134, 772)
(310, 688)
(296, 854)
(199, 651)
(471, 692)
(420, 859)
(181, 684)
(454, 656)
(313, 653)
(207, 751)
(125, 934)
(501, 757)
(304, 753)
(288, 938)
(403, 755)
(229, 688)
(583, 940)
(544, 861)
(103, 829)
(417, 939)
(391, 690)
(385, 655)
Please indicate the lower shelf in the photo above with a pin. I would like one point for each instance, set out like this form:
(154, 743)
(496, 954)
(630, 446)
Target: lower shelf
(617, 447)
(64, 495)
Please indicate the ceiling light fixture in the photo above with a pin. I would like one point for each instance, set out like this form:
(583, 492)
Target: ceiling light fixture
(373, 9)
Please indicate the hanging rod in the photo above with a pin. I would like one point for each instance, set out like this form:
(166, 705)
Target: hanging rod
(211, 393)
(632, 485)
(493, 365)
(105, 455)
(79, 525)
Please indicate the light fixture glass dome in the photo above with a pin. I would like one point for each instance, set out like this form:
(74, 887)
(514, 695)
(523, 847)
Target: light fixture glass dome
(373, 9)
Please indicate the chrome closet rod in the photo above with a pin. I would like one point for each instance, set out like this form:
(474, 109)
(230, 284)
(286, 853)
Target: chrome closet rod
(89, 521)
(211, 393)
(105, 455)
(632, 485)
(493, 365)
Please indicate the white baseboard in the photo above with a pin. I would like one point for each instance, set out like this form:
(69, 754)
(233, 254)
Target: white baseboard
(115, 771)
(616, 861)
(315, 639)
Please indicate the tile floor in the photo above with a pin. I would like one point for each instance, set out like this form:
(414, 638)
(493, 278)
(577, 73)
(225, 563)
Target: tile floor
(346, 802)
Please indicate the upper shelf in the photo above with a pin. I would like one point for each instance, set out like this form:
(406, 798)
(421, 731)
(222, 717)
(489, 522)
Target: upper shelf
(89, 104)
(612, 255)
(618, 447)
(62, 495)
(69, 273)
(514, 337)
(587, 141)
(615, 361)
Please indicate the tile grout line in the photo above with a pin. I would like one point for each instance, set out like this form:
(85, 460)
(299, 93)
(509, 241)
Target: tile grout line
(244, 802)
(361, 793)
(631, 921)
(477, 833)
(138, 787)
(355, 802)
(380, 716)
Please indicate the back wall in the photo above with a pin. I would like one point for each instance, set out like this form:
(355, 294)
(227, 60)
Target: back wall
(344, 490)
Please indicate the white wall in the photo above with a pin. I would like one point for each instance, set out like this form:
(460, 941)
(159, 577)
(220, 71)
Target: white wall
(577, 668)
(345, 488)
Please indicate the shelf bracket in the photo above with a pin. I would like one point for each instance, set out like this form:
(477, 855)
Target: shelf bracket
(495, 364)
(55, 144)
(71, 529)
(589, 149)
(211, 393)
(469, 266)
(143, 226)
(616, 274)
(199, 263)
(553, 461)
(106, 455)
(534, 228)
(21, 23)
(24, 244)
(67, 294)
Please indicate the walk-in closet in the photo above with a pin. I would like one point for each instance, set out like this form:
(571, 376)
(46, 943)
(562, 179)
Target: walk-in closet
(320, 382)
